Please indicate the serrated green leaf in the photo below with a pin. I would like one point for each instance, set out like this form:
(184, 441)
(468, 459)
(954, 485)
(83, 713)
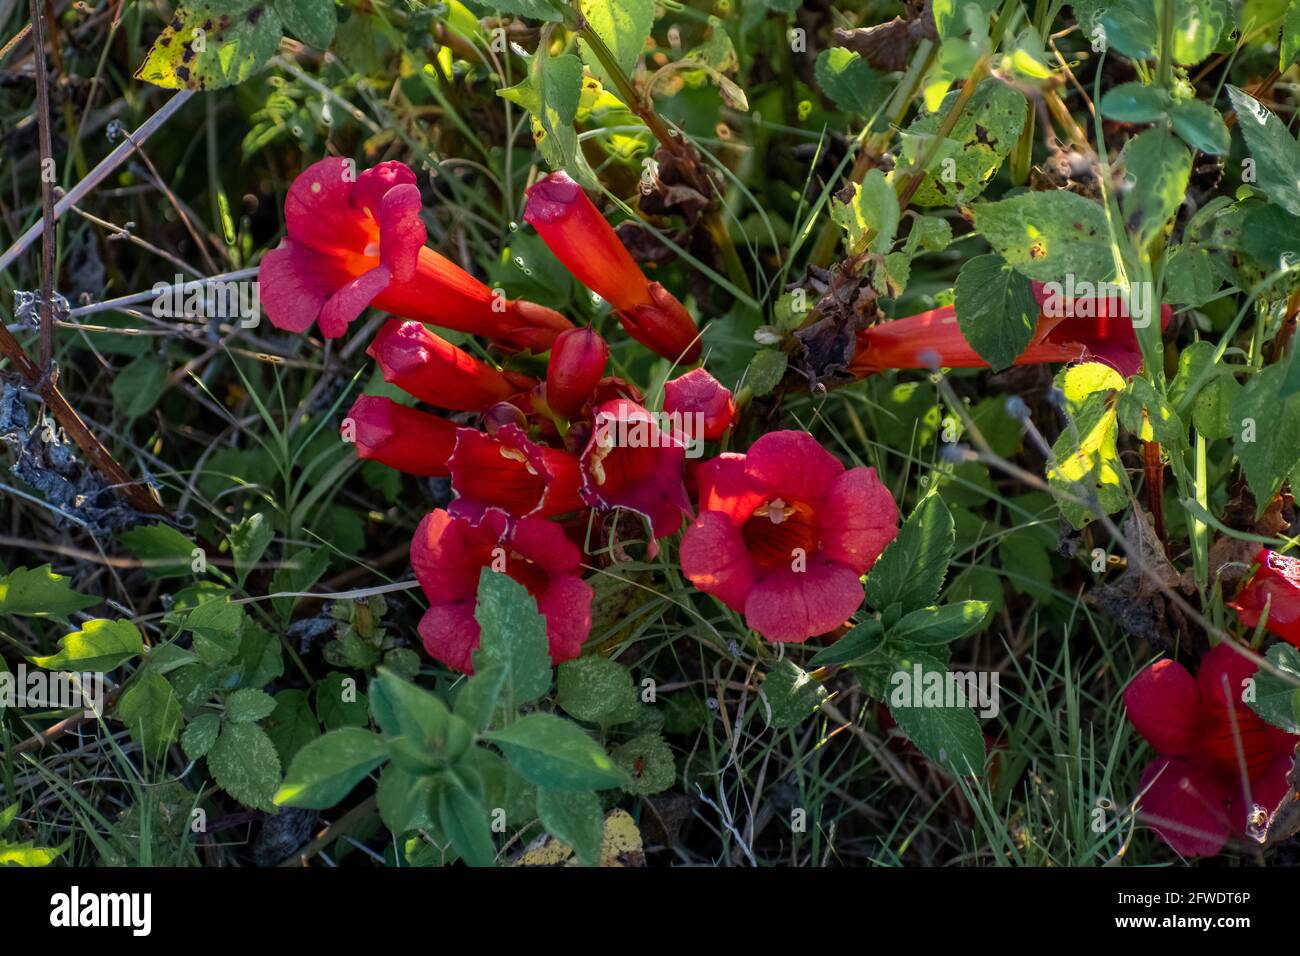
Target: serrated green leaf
(765, 371)
(870, 218)
(311, 21)
(996, 309)
(911, 570)
(597, 690)
(850, 82)
(1277, 699)
(244, 763)
(248, 705)
(39, 592)
(940, 624)
(513, 638)
(1157, 166)
(552, 752)
(210, 45)
(1134, 103)
(1274, 151)
(1048, 234)
(326, 769)
(1201, 126)
(151, 712)
(1266, 431)
(200, 734)
(948, 735)
(248, 542)
(575, 819)
(860, 641)
(101, 645)
(792, 694)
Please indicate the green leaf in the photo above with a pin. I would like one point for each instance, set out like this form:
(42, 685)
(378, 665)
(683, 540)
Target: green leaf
(850, 82)
(99, 646)
(298, 573)
(200, 735)
(792, 694)
(1215, 389)
(1048, 234)
(165, 551)
(137, 388)
(597, 690)
(552, 752)
(534, 9)
(151, 712)
(1266, 431)
(1275, 152)
(292, 725)
(575, 819)
(940, 625)
(911, 570)
(405, 800)
(624, 25)
(339, 703)
(326, 769)
(648, 761)
(1157, 166)
(244, 763)
(1289, 48)
(248, 542)
(765, 371)
(8, 815)
(996, 309)
(39, 592)
(26, 854)
(948, 735)
(1198, 24)
(1201, 126)
(311, 21)
(1277, 699)
(1085, 468)
(1148, 416)
(216, 626)
(1271, 236)
(249, 705)
(971, 155)
(513, 639)
(210, 45)
(870, 218)
(862, 640)
(1134, 103)
(465, 821)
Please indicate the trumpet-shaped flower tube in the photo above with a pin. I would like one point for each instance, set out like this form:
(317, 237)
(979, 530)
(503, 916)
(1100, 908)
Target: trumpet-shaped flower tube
(785, 533)
(1275, 586)
(508, 471)
(449, 553)
(429, 367)
(573, 228)
(356, 241)
(1085, 329)
(1194, 794)
(402, 438)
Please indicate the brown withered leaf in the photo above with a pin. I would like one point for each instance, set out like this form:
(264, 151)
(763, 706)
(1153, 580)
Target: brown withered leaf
(846, 303)
(1139, 599)
(887, 46)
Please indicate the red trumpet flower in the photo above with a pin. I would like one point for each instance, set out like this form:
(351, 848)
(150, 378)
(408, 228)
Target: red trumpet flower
(630, 462)
(699, 393)
(785, 533)
(578, 360)
(448, 555)
(1069, 330)
(1194, 795)
(356, 241)
(589, 248)
(1275, 586)
(509, 472)
(435, 371)
(403, 438)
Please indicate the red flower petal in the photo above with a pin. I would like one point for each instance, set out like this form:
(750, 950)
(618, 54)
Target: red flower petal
(857, 519)
(1186, 805)
(793, 465)
(1275, 585)
(789, 605)
(629, 463)
(578, 359)
(450, 634)
(727, 487)
(1163, 703)
(510, 472)
(566, 605)
(714, 558)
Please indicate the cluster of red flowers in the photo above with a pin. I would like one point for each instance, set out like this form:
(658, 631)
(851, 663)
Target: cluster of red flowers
(784, 533)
